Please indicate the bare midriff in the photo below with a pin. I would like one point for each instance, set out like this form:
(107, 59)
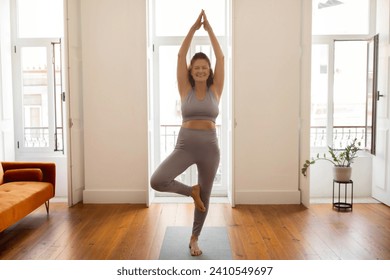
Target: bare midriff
(199, 124)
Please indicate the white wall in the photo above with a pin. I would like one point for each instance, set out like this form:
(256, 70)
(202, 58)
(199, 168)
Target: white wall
(266, 53)
(115, 100)
(321, 178)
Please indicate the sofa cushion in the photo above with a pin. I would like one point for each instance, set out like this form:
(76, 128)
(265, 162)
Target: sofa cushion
(20, 198)
(24, 174)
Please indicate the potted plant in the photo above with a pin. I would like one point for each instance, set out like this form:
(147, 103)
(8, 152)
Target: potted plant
(341, 160)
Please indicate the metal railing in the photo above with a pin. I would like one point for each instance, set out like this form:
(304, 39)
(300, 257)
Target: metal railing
(36, 137)
(39, 137)
(341, 136)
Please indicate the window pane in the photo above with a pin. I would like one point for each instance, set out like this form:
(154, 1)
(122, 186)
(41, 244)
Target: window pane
(319, 95)
(35, 97)
(350, 91)
(40, 18)
(340, 17)
(185, 15)
(170, 110)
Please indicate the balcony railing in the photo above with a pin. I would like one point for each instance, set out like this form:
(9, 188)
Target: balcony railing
(342, 136)
(36, 137)
(39, 137)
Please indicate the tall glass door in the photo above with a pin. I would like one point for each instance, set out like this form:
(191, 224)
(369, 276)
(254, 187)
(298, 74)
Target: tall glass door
(37, 30)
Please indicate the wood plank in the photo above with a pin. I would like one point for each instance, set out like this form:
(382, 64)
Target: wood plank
(275, 232)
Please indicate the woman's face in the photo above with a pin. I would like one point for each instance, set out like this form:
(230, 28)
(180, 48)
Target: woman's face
(200, 70)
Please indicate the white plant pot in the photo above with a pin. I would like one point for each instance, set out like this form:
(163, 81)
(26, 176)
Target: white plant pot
(342, 174)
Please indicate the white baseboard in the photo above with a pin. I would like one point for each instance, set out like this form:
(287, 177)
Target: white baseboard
(328, 200)
(114, 196)
(267, 197)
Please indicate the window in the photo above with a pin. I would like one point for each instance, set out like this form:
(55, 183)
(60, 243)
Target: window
(37, 32)
(319, 95)
(344, 17)
(343, 75)
(353, 111)
(40, 18)
(167, 16)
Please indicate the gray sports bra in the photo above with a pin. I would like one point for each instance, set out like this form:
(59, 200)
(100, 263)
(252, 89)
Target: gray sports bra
(194, 109)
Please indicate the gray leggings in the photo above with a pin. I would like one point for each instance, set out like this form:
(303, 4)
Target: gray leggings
(193, 146)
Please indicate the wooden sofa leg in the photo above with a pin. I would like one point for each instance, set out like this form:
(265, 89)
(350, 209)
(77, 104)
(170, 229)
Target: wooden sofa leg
(47, 207)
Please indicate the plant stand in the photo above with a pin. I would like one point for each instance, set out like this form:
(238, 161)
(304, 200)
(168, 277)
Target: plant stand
(342, 205)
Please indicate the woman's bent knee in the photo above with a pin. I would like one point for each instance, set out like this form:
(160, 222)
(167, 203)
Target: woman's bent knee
(156, 183)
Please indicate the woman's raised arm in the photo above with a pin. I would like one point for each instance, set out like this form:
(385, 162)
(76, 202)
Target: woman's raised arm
(182, 67)
(219, 71)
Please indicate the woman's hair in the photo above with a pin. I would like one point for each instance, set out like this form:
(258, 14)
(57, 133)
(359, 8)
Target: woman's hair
(197, 56)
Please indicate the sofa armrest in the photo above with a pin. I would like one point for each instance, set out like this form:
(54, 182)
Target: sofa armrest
(48, 169)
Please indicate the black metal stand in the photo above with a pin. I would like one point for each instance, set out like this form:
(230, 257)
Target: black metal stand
(343, 205)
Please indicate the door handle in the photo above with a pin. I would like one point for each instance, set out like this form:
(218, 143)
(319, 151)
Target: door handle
(379, 95)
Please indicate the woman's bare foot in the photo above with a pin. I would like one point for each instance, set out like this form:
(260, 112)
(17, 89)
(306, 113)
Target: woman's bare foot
(195, 194)
(194, 248)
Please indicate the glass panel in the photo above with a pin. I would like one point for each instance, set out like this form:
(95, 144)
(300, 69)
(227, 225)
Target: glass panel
(35, 96)
(170, 110)
(341, 17)
(40, 18)
(319, 95)
(350, 88)
(186, 12)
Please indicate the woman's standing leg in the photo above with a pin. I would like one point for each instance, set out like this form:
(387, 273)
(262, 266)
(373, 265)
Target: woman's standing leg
(206, 175)
(207, 169)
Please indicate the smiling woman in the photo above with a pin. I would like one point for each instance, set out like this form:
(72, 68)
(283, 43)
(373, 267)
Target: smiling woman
(168, 24)
(200, 68)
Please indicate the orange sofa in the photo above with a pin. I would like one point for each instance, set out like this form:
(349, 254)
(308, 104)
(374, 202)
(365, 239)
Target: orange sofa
(24, 186)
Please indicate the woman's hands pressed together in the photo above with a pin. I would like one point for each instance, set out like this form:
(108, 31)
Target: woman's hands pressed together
(202, 20)
(198, 23)
(206, 24)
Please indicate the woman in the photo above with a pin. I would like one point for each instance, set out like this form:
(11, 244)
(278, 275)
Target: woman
(200, 91)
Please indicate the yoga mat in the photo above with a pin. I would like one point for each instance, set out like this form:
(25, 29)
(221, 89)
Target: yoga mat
(213, 241)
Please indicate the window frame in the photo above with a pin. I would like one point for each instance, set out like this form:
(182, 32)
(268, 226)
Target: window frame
(330, 40)
(18, 43)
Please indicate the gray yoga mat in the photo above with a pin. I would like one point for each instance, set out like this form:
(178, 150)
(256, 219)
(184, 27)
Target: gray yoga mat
(214, 242)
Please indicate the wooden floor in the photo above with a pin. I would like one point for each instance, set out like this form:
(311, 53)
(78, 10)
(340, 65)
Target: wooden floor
(272, 232)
